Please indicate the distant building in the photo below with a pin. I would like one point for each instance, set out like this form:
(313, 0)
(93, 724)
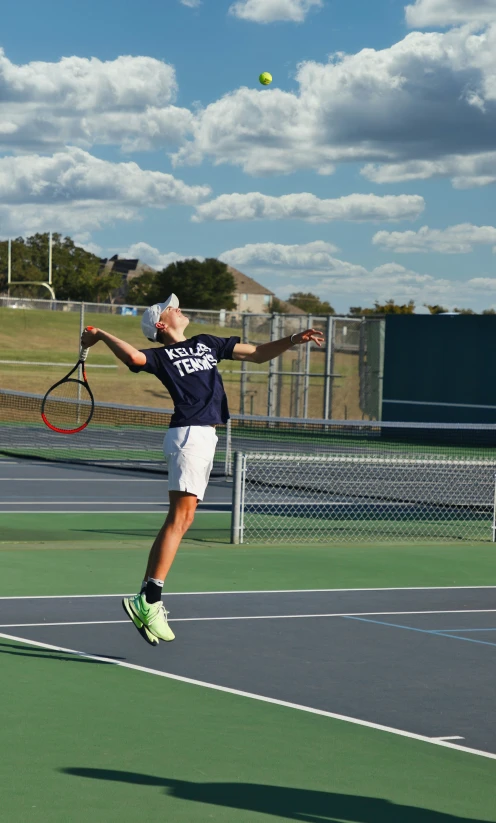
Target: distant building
(288, 308)
(126, 267)
(250, 295)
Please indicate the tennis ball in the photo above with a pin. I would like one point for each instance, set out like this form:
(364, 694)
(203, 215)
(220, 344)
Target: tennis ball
(265, 78)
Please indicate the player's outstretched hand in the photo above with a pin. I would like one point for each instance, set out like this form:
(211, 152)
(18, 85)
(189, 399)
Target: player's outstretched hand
(308, 336)
(89, 337)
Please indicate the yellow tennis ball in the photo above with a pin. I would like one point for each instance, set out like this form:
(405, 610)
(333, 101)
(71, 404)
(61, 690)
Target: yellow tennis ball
(265, 78)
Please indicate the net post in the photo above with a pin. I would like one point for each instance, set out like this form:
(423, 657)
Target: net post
(237, 515)
(228, 459)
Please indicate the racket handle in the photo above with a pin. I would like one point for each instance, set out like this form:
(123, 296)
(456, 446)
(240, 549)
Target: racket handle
(83, 354)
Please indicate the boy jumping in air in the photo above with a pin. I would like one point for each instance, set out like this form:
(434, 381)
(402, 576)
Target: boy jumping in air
(187, 367)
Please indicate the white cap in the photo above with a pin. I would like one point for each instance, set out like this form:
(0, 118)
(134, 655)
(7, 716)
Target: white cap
(152, 316)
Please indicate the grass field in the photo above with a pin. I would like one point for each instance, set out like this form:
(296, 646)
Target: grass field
(53, 337)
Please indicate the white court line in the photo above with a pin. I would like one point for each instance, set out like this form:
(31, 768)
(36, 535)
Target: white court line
(112, 479)
(253, 591)
(453, 737)
(250, 617)
(82, 503)
(253, 696)
(74, 623)
(143, 510)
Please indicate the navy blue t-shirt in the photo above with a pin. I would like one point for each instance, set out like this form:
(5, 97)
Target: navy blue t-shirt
(188, 370)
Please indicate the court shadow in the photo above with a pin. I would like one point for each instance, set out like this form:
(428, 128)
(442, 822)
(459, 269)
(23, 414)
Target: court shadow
(281, 801)
(26, 651)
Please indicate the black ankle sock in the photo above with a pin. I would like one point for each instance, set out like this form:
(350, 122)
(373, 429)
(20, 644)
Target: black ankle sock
(153, 593)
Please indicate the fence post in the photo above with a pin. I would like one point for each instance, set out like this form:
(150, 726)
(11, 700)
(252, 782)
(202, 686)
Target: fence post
(245, 319)
(306, 378)
(236, 515)
(329, 367)
(228, 460)
(494, 512)
(80, 369)
(273, 377)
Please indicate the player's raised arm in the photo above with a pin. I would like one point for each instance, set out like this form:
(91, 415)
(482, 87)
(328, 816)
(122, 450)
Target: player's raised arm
(124, 351)
(267, 351)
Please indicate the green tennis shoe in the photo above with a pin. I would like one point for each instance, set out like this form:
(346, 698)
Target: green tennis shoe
(152, 616)
(143, 630)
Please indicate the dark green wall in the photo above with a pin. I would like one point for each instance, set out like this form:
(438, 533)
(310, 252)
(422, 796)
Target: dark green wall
(440, 359)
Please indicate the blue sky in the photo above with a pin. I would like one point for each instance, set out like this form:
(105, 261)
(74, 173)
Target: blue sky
(366, 171)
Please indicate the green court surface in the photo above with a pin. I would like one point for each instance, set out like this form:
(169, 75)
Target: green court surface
(87, 741)
(105, 553)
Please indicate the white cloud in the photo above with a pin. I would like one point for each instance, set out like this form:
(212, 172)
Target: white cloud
(429, 97)
(84, 101)
(486, 284)
(344, 283)
(87, 216)
(459, 239)
(153, 257)
(316, 255)
(465, 171)
(89, 84)
(192, 4)
(426, 13)
(84, 240)
(306, 206)
(76, 176)
(270, 11)
(74, 191)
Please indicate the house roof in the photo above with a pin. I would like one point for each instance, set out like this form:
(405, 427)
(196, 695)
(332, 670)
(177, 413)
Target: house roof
(129, 268)
(246, 285)
(288, 308)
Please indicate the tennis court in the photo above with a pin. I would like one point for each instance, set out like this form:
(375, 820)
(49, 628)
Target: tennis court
(307, 682)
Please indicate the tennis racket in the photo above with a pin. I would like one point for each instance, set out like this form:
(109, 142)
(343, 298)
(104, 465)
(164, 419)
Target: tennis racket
(68, 405)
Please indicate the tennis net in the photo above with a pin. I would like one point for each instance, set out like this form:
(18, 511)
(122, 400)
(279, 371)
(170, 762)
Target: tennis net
(128, 437)
(132, 436)
(284, 498)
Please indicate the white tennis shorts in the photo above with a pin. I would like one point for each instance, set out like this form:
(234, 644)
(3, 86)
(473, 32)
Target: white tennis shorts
(189, 451)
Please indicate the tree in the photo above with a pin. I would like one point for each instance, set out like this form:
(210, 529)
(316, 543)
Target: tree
(389, 307)
(76, 273)
(464, 311)
(278, 306)
(436, 309)
(198, 285)
(310, 303)
(23, 267)
(489, 311)
(140, 288)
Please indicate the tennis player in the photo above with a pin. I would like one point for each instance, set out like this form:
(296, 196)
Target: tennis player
(187, 367)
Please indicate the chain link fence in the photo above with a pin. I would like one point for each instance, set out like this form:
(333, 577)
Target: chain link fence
(298, 499)
(341, 380)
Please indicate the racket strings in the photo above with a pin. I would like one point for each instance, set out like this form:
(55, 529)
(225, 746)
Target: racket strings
(68, 406)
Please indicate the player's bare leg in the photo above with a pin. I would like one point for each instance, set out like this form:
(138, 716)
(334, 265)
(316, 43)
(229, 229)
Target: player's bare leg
(146, 610)
(180, 517)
